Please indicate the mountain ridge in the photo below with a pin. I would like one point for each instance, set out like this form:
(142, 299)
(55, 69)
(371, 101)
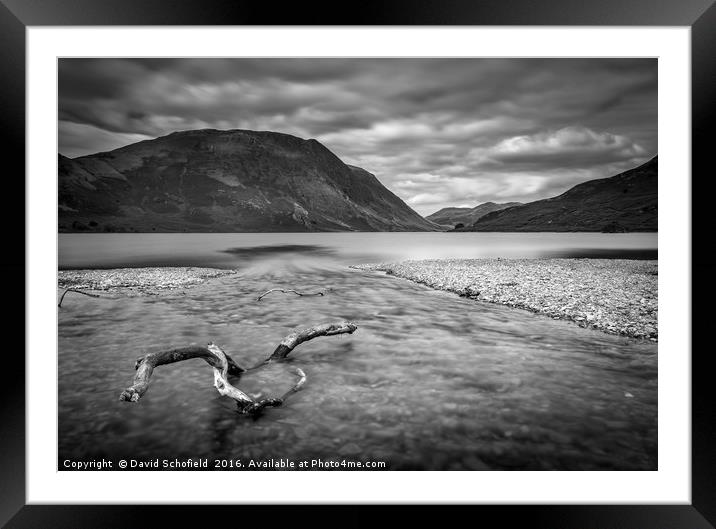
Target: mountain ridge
(209, 180)
(452, 216)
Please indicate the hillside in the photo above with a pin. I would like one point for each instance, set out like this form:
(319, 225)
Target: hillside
(226, 181)
(622, 203)
(467, 216)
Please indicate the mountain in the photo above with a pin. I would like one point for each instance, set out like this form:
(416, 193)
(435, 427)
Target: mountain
(622, 203)
(467, 216)
(226, 181)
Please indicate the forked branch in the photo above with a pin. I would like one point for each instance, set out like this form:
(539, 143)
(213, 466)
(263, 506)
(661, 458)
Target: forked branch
(224, 365)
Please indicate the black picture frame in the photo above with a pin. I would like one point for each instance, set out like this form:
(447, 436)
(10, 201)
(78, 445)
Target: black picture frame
(699, 15)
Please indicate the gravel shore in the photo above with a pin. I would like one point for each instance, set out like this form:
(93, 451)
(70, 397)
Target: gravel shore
(137, 280)
(618, 296)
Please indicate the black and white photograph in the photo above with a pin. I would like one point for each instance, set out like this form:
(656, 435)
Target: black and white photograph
(357, 264)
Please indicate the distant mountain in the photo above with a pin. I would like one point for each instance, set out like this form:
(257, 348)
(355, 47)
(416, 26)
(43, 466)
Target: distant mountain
(467, 216)
(226, 181)
(621, 203)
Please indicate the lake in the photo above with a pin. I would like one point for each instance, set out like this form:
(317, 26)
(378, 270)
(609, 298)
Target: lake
(429, 380)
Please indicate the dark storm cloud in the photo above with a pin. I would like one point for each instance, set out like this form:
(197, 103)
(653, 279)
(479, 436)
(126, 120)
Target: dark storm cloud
(438, 132)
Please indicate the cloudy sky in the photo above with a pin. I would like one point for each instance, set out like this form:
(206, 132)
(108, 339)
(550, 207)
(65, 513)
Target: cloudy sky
(437, 132)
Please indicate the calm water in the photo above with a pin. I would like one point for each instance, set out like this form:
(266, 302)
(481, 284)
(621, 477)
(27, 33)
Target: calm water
(429, 380)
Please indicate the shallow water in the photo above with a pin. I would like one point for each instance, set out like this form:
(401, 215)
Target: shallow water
(429, 380)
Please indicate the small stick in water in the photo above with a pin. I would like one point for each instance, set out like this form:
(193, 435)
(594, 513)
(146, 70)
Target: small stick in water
(75, 290)
(291, 291)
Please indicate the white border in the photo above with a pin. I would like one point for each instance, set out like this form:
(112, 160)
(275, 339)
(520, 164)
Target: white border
(670, 484)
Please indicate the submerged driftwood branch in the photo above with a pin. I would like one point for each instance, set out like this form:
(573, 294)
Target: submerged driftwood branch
(291, 291)
(59, 304)
(224, 365)
(296, 338)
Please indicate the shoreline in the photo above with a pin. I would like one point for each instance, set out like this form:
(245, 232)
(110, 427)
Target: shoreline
(151, 280)
(616, 296)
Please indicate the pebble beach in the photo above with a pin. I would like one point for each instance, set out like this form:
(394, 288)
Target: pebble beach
(618, 296)
(151, 280)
